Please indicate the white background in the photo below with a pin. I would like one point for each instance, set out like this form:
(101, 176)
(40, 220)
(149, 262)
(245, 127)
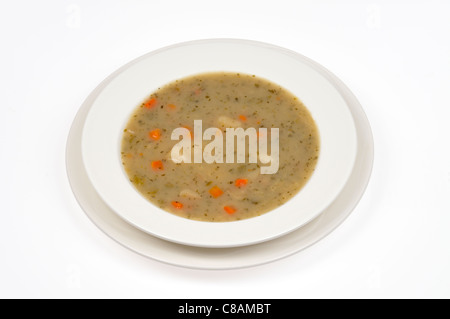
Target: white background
(395, 57)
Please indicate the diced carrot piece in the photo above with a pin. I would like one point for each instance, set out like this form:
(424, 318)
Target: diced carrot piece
(177, 204)
(141, 154)
(151, 103)
(190, 130)
(129, 155)
(216, 192)
(155, 134)
(230, 210)
(157, 165)
(171, 106)
(240, 182)
(243, 118)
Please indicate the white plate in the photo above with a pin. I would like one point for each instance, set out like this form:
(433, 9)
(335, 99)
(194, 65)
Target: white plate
(221, 258)
(111, 109)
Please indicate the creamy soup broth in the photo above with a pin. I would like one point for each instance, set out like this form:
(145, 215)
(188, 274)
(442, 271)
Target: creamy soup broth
(219, 192)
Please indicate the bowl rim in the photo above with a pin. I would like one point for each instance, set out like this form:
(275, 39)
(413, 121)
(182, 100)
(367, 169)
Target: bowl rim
(117, 190)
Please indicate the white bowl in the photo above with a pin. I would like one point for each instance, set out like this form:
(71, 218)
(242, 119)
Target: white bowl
(103, 129)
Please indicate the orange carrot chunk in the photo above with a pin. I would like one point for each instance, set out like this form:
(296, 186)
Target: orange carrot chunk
(230, 210)
(243, 118)
(150, 103)
(190, 130)
(171, 106)
(177, 204)
(240, 182)
(157, 165)
(216, 192)
(155, 134)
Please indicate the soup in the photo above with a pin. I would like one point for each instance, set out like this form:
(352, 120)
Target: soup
(177, 147)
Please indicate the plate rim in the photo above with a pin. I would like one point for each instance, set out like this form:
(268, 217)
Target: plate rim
(138, 221)
(365, 163)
